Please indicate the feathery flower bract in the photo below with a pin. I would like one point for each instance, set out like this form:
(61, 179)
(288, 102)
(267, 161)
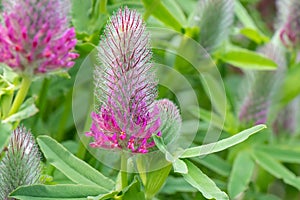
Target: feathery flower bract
(34, 36)
(21, 164)
(125, 87)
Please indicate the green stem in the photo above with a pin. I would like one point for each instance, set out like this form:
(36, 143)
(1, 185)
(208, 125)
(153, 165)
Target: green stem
(26, 82)
(41, 101)
(60, 134)
(84, 140)
(103, 9)
(124, 178)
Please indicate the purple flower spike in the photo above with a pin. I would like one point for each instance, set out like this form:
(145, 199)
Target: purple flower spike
(35, 37)
(125, 87)
(290, 33)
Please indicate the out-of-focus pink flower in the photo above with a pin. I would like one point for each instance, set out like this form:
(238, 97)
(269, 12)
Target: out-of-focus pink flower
(290, 32)
(34, 36)
(125, 87)
(255, 108)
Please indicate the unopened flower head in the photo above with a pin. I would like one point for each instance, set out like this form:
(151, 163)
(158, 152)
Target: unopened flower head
(290, 33)
(34, 36)
(125, 87)
(170, 120)
(21, 164)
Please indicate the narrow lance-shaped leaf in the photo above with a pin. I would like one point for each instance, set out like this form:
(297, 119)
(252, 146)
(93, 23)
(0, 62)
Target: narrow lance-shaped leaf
(161, 12)
(277, 169)
(75, 169)
(246, 59)
(215, 163)
(285, 153)
(203, 183)
(27, 109)
(242, 170)
(178, 184)
(155, 180)
(180, 166)
(57, 192)
(222, 144)
(250, 29)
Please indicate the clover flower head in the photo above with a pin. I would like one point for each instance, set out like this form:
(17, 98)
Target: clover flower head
(125, 87)
(257, 101)
(21, 164)
(34, 36)
(290, 32)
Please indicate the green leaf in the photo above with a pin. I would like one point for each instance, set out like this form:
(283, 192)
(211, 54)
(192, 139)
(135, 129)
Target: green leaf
(75, 169)
(178, 184)
(159, 142)
(80, 10)
(214, 88)
(246, 59)
(133, 191)
(290, 154)
(27, 110)
(251, 30)
(87, 16)
(222, 144)
(187, 5)
(241, 174)
(276, 169)
(86, 47)
(203, 183)
(254, 35)
(56, 192)
(7, 87)
(60, 73)
(180, 166)
(208, 116)
(161, 12)
(153, 181)
(104, 196)
(214, 163)
(8, 75)
(175, 10)
(290, 88)
(5, 132)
